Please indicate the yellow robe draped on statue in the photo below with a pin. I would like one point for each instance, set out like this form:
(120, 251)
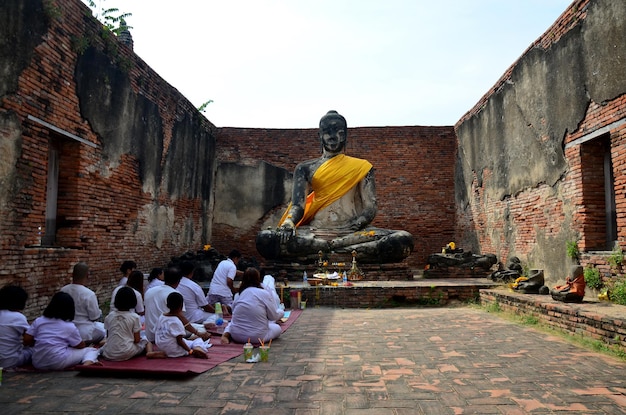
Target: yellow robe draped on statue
(331, 181)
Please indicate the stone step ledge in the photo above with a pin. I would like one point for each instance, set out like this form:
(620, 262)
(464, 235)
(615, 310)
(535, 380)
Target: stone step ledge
(603, 321)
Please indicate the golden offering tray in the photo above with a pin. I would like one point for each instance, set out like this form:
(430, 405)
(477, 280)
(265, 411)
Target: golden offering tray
(321, 277)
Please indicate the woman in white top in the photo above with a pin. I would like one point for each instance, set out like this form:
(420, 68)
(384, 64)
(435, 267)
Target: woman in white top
(55, 339)
(254, 312)
(126, 268)
(156, 278)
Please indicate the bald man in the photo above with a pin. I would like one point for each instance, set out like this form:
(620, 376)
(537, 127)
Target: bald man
(87, 311)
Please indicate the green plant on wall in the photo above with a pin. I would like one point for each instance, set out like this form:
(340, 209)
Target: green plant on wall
(202, 108)
(616, 258)
(51, 9)
(434, 297)
(572, 250)
(113, 24)
(111, 18)
(593, 279)
(617, 291)
(493, 307)
(80, 44)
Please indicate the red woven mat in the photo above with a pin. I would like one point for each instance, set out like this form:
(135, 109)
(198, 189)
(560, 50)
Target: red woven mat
(218, 353)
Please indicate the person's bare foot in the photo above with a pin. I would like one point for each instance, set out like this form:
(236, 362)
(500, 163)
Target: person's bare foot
(91, 362)
(199, 353)
(156, 355)
(225, 338)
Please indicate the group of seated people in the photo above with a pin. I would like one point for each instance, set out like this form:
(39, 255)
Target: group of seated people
(171, 317)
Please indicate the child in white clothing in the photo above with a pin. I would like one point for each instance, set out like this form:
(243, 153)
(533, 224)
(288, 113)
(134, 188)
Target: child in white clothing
(170, 332)
(13, 325)
(123, 326)
(55, 339)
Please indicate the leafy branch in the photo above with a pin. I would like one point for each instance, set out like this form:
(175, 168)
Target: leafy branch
(111, 18)
(202, 108)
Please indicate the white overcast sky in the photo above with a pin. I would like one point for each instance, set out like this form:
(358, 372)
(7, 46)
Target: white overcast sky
(284, 63)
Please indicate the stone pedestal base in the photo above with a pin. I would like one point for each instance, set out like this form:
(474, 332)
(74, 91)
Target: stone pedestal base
(372, 272)
(457, 272)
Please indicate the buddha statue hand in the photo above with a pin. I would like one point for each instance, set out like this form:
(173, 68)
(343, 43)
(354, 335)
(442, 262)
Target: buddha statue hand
(359, 223)
(286, 231)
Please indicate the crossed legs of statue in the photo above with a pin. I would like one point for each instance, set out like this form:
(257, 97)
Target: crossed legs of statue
(372, 245)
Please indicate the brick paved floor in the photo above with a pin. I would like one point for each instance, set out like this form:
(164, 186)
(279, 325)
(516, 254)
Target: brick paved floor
(332, 361)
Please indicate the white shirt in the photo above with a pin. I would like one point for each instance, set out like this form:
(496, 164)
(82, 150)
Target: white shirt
(253, 311)
(87, 310)
(168, 328)
(53, 340)
(13, 324)
(194, 300)
(155, 305)
(139, 308)
(154, 283)
(226, 270)
(121, 327)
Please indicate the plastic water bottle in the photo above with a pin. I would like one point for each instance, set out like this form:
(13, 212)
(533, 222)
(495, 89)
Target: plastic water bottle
(345, 278)
(219, 316)
(305, 279)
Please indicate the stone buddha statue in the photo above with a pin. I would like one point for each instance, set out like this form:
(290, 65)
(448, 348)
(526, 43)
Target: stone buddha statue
(333, 202)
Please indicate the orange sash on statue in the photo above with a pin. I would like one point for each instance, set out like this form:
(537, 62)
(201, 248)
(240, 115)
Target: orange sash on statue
(331, 181)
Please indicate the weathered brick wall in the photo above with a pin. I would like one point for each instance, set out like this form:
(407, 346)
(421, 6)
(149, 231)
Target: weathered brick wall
(414, 169)
(528, 203)
(116, 204)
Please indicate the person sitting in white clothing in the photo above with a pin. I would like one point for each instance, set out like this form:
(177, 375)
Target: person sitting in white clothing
(155, 304)
(170, 332)
(155, 279)
(87, 310)
(126, 268)
(254, 312)
(197, 307)
(13, 325)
